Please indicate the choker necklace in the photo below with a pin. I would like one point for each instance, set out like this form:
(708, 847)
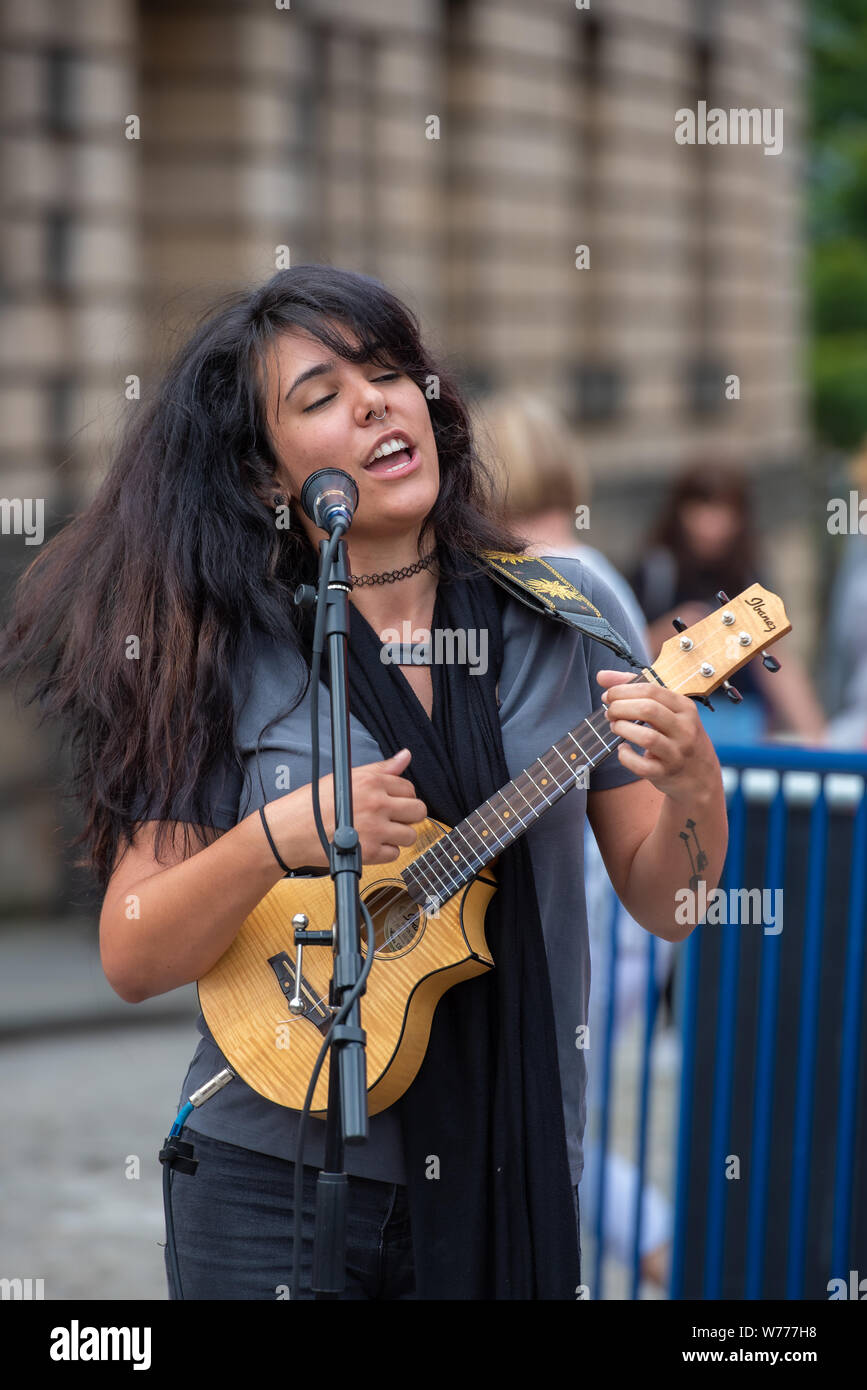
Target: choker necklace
(390, 575)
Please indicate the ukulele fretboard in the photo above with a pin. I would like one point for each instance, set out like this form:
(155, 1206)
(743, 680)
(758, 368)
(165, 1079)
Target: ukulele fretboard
(456, 858)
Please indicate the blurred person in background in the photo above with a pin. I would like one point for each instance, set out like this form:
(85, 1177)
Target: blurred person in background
(528, 442)
(544, 480)
(704, 541)
(845, 662)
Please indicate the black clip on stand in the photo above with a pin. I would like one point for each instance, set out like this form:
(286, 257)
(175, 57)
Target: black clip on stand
(346, 1116)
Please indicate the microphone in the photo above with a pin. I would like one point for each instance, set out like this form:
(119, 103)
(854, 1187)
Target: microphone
(329, 497)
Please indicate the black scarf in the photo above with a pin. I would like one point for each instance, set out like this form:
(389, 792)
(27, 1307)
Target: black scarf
(499, 1220)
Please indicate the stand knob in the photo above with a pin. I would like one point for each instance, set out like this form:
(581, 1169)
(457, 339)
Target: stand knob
(305, 596)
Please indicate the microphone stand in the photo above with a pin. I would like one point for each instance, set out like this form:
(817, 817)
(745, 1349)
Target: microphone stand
(346, 1114)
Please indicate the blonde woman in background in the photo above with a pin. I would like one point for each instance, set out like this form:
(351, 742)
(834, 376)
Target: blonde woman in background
(526, 439)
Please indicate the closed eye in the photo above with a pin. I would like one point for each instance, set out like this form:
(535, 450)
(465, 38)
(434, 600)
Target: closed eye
(389, 376)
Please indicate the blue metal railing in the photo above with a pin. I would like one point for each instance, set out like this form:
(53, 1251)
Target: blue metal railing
(605, 1117)
(821, 764)
(742, 763)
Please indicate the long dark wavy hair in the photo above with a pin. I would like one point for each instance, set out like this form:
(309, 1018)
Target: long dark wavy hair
(179, 548)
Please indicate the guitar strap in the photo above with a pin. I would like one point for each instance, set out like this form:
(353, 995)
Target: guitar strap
(543, 588)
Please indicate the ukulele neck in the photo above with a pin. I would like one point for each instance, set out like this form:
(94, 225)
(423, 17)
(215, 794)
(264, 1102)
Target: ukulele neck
(455, 859)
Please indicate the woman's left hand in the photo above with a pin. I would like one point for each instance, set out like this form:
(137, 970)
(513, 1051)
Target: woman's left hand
(679, 758)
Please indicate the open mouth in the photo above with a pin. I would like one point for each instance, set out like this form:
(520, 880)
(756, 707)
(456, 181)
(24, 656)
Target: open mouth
(395, 462)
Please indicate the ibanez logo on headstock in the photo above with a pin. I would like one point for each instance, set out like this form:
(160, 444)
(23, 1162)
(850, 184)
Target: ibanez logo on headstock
(756, 602)
(703, 657)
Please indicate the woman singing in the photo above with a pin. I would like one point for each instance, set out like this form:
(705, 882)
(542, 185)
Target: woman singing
(160, 626)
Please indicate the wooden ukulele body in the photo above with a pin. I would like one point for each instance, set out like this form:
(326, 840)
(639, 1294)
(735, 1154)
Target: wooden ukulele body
(245, 996)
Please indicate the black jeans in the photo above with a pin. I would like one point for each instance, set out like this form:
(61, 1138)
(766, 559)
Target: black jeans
(234, 1224)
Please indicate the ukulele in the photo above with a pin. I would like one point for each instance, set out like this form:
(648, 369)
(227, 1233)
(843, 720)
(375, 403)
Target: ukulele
(428, 906)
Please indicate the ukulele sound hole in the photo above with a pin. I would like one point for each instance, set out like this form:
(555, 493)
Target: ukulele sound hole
(398, 922)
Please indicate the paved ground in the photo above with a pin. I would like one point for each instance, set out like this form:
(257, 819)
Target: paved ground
(88, 1085)
(85, 1108)
(88, 1090)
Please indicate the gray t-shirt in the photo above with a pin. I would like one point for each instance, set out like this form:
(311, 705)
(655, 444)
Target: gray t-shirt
(547, 685)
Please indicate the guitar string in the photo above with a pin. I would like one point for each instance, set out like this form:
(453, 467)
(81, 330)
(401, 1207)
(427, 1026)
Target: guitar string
(419, 868)
(431, 865)
(428, 863)
(562, 788)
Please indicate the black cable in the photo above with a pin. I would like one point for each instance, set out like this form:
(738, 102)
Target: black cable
(176, 1153)
(170, 1230)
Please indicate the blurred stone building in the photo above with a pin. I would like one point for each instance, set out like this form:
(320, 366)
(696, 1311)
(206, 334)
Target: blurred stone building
(157, 154)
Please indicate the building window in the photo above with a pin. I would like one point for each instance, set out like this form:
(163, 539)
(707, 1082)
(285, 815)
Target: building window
(58, 244)
(59, 96)
(598, 390)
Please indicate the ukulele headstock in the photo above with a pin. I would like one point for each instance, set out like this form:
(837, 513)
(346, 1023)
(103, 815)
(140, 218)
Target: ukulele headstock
(700, 658)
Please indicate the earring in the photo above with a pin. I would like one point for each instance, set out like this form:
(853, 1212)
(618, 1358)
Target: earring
(278, 499)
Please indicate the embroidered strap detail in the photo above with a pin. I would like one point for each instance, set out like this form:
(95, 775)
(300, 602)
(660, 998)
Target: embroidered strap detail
(537, 583)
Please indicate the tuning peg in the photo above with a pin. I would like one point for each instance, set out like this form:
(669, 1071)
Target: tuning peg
(678, 624)
(722, 596)
(734, 695)
(702, 699)
(770, 662)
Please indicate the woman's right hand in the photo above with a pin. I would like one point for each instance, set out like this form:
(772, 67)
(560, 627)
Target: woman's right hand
(385, 809)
